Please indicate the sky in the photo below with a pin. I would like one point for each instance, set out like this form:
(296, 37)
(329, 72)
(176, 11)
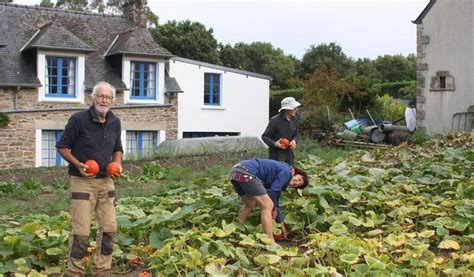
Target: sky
(363, 28)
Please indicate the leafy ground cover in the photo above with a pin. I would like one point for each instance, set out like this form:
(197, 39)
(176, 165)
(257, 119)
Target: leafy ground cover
(400, 211)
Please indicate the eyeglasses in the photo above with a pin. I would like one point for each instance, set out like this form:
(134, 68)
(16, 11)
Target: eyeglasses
(104, 97)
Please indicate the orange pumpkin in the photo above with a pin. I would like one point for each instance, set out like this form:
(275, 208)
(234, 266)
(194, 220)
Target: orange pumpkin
(113, 168)
(92, 167)
(284, 142)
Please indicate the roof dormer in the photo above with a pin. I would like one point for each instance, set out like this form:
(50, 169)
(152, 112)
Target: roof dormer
(137, 41)
(143, 62)
(52, 36)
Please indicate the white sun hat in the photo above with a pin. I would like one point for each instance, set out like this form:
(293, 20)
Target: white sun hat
(289, 103)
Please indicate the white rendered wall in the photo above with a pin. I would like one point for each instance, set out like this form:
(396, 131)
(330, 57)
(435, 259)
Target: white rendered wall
(449, 24)
(244, 101)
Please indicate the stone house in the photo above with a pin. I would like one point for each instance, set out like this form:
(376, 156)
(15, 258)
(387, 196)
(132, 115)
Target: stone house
(50, 59)
(445, 51)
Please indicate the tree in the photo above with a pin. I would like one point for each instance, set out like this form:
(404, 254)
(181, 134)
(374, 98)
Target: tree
(328, 55)
(46, 4)
(396, 68)
(115, 6)
(188, 39)
(260, 57)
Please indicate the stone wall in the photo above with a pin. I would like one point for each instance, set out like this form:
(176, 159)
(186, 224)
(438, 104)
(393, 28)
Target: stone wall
(421, 76)
(18, 142)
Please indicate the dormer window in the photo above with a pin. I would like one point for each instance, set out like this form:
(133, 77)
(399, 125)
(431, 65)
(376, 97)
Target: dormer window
(142, 80)
(60, 79)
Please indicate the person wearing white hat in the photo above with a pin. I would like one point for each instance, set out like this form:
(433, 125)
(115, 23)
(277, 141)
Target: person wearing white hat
(283, 126)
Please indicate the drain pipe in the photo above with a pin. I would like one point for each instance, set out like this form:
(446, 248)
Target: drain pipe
(15, 98)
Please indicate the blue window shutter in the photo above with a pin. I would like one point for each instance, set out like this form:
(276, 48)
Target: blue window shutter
(58, 156)
(211, 89)
(140, 144)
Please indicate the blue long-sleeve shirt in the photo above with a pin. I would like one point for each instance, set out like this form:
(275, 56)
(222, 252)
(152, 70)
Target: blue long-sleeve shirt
(275, 176)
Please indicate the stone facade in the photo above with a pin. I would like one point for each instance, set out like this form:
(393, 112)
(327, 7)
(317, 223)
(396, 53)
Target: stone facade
(18, 139)
(421, 72)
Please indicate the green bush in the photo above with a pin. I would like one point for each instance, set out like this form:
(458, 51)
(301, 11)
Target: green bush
(4, 119)
(32, 183)
(152, 171)
(419, 137)
(400, 89)
(313, 120)
(388, 108)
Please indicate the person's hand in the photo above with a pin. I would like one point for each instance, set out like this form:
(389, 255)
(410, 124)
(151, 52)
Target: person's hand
(114, 169)
(118, 174)
(292, 145)
(278, 145)
(82, 168)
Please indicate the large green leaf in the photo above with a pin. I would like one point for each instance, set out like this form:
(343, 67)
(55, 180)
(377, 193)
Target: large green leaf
(338, 228)
(267, 259)
(349, 258)
(157, 238)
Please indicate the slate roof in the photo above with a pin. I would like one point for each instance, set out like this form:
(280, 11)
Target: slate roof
(82, 31)
(171, 85)
(425, 11)
(137, 41)
(55, 37)
(223, 68)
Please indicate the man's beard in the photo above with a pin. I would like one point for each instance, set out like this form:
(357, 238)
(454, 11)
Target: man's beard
(101, 110)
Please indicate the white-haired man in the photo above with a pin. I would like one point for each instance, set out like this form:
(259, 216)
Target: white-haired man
(92, 134)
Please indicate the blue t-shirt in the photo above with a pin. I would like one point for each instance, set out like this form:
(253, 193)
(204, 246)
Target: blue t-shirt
(275, 176)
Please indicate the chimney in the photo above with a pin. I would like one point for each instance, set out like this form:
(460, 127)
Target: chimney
(136, 11)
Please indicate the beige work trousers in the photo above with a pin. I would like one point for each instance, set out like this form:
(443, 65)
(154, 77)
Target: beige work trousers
(91, 196)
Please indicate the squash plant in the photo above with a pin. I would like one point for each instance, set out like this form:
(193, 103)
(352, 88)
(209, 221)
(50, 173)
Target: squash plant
(407, 210)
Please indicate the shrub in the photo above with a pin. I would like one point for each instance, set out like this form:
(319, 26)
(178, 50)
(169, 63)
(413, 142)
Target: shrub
(388, 108)
(314, 120)
(4, 119)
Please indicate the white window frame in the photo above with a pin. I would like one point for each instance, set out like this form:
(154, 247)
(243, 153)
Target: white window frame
(160, 80)
(123, 137)
(80, 76)
(222, 74)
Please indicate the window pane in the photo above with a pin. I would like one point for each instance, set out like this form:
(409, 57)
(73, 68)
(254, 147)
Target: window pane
(53, 89)
(53, 71)
(48, 149)
(143, 78)
(64, 67)
(151, 92)
(216, 99)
